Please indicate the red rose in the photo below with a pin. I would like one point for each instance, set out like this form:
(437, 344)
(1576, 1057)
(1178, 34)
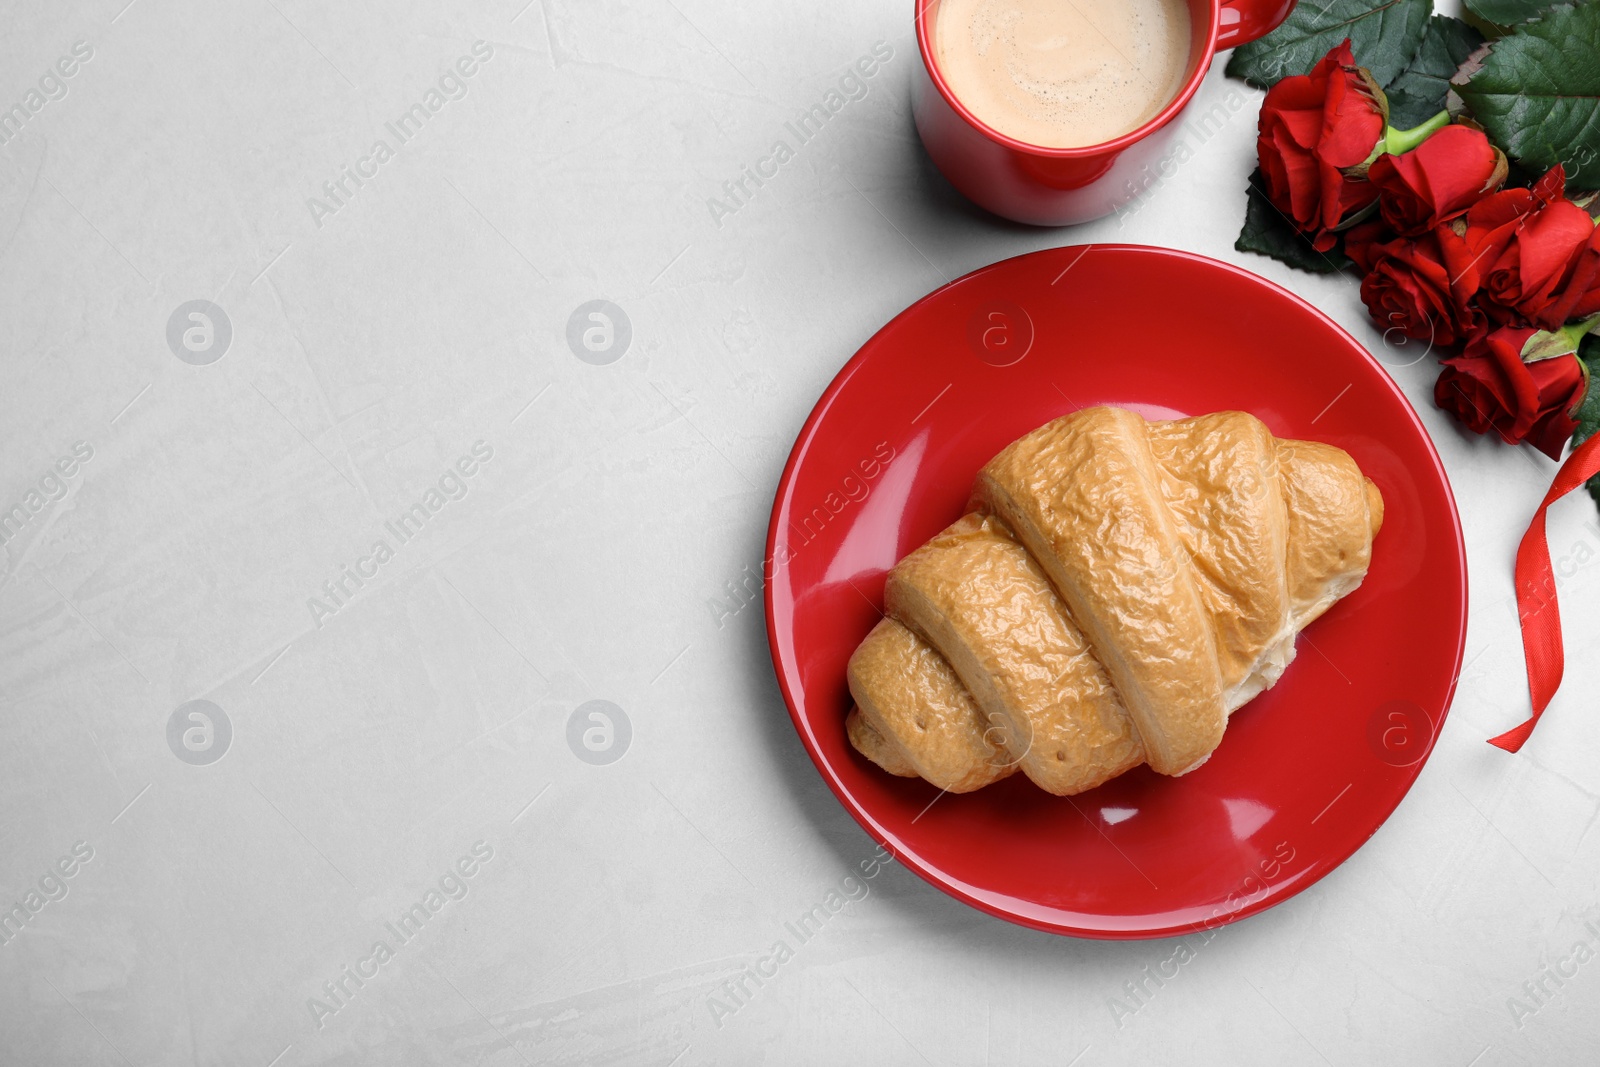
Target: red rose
(1489, 387)
(1408, 287)
(1537, 254)
(1436, 181)
(1314, 128)
(1579, 294)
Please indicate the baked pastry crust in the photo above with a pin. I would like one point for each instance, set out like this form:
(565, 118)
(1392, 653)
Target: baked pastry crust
(977, 596)
(1122, 588)
(913, 717)
(1083, 494)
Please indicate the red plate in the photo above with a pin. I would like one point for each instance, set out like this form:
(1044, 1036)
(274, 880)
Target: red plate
(1308, 771)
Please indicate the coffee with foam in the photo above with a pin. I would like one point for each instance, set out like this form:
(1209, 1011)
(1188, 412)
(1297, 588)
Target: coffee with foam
(1063, 73)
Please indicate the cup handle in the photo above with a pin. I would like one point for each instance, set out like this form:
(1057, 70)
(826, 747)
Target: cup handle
(1242, 21)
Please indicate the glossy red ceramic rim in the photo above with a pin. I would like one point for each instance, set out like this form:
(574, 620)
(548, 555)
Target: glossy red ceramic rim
(1115, 145)
(947, 883)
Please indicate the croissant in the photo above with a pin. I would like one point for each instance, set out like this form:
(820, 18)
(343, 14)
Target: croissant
(1119, 589)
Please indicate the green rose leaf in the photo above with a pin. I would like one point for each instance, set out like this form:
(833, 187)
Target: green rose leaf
(1267, 232)
(1384, 35)
(1538, 93)
(1419, 91)
(1588, 413)
(1507, 12)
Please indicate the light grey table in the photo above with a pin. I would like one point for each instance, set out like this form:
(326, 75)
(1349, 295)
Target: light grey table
(396, 763)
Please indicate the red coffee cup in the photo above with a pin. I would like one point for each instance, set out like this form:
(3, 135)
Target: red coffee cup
(1059, 186)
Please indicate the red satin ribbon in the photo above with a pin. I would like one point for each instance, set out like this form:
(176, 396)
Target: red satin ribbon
(1536, 596)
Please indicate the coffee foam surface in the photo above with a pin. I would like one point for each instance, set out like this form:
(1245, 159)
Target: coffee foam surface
(1063, 73)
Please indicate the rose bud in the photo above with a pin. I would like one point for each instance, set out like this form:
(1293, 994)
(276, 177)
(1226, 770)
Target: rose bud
(1408, 286)
(1529, 263)
(1438, 180)
(1489, 387)
(1316, 132)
